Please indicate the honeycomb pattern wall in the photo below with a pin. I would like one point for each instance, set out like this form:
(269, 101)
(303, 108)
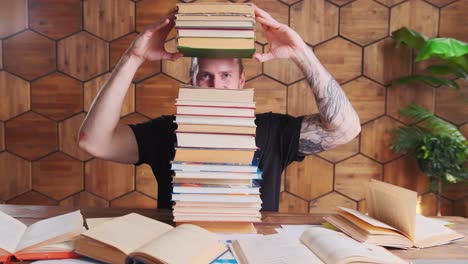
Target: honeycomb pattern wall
(56, 54)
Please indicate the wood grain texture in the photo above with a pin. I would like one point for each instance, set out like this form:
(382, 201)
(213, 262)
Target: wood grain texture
(292, 204)
(68, 137)
(352, 182)
(55, 18)
(460, 207)
(85, 200)
(401, 96)
(109, 179)
(341, 152)
(58, 176)
(83, 56)
(341, 58)
(340, 2)
(252, 68)
(118, 48)
(376, 139)
(179, 69)
(283, 70)
(453, 21)
(92, 88)
(315, 21)
(328, 204)
(31, 136)
(405, 173)
(384, 62)
(146, 181)
(269, 95)
(301, 100)
(1, 56)
(156, 96)
(15, 176)
(133, 118)
(31, 49)
(13, 16)
(440, 3)
(2, 136)
(57, 96)
(428, 205)
(134, 200)
(464, 130)
(14, 96)
(309, 179)
(364, 21)
(109, 19)
(32, 198)
(367, 98)
(455, 191)
(416, 15)
(277, 10)
(451, 105)
(390, 3)
(149, 12)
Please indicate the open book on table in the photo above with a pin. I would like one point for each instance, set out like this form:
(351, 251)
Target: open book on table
(48, 238)
(392, 220)
(315, 245)
(148, 240)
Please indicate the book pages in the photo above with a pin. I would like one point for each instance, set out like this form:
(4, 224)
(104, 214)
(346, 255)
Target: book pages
(429, 233)
(11, 231)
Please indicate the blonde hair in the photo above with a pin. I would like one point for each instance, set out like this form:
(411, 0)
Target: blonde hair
(194, 68)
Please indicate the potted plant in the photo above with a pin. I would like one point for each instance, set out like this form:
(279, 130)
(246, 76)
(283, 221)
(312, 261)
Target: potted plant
(439, 148)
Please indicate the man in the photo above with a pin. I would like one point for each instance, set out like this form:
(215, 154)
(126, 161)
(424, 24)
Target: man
(281, 139)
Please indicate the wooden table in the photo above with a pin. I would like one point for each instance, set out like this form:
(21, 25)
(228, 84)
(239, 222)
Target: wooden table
(270, 220)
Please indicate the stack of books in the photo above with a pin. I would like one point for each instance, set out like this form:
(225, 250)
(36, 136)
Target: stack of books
(216, 177)
(216, 30)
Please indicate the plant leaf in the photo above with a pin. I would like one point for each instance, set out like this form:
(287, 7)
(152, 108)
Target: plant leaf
(442, 47)
(409, 37)
(431, 80)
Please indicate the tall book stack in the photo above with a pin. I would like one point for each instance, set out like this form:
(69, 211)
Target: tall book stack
(215, 179)
(216, 30)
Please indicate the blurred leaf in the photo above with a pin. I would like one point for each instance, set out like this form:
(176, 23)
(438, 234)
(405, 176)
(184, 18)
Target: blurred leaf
(431, 80)
(442, 47)
(411, 38)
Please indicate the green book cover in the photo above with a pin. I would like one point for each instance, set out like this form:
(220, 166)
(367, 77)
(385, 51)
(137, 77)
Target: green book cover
(216, 53)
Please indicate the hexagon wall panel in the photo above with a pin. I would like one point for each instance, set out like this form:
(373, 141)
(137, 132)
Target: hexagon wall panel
(390, 3)
(2, 136)
(341, 58)
(342, 151)
(31, 136)
(364, 21)
(277, 10)
(55, 18)
(309, 179)
(460, 207)
(367, 98)
(384, 62)
(146, 182)
(315, 21)
(14, 96)
(464, 130)
(428, 205)
(416, 15)
(453, 21)
(179, 69)
(83, 56)
(149, 12)
(301, 99)
(13, 16)
(56, 96)
(32, 49)
(284, 70)
(405, 172)
(352, 182)
(156, 96)
(327, 204)
(440, 3)
(450, 104)
(401, 96)
(32, 198)
(1, 56)
(376, 139)
(133, 118)
(455, 191)
(109, 179)
(117, 50)
(68, 137)
(58, 176)
(134, 200)
(109, 19)
(85, 200)
(269, 95)
(92, 88)
(15, 176)
(291, 203)
(252, 68)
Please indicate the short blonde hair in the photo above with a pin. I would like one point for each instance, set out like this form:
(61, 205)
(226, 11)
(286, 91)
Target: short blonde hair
(194, 68)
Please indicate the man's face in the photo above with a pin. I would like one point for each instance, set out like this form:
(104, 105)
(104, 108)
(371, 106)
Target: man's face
(220, 73)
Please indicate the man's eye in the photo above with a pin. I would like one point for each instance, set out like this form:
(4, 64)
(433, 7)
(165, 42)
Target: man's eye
(205, 76)
(226, 75)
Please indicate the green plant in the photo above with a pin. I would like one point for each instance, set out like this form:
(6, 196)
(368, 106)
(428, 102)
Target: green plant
(451, 54)
(439, 147)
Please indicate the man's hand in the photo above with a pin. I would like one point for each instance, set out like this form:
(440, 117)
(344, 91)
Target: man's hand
(149, 45)
(283, 41)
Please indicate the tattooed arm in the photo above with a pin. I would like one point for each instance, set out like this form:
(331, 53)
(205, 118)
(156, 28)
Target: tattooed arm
(337, 122)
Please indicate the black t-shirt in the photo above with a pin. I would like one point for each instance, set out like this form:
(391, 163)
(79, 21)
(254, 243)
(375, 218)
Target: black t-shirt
(277, 139)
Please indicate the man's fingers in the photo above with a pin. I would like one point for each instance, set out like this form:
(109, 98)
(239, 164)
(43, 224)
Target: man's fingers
(171, 56)
(262, 57)
(260, 12)
(269, 22)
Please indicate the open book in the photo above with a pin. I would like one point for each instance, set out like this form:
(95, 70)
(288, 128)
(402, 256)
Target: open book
(49, 238)
(145, 239)
(316, 245)
(392, 220)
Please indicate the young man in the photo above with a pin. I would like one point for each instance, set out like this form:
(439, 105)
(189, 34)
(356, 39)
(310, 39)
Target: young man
(281, 139)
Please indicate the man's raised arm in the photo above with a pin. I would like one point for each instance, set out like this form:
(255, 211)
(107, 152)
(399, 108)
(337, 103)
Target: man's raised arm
(337, 122)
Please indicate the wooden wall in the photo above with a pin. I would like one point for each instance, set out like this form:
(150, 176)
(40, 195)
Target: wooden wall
(56, 54)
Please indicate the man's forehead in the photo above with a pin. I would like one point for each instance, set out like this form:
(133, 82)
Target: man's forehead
(217, 63)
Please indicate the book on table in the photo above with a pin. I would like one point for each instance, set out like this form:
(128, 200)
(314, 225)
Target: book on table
(51, 238)
(315, 245)
(392, 220)
(150, 241)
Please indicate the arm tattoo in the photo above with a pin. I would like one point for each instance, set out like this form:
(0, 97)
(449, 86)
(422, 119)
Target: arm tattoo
(315, 137)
